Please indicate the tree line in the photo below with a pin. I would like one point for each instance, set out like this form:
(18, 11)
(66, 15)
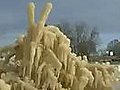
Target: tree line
(84, 39)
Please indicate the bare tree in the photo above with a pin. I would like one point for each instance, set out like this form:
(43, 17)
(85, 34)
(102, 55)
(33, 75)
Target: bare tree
(114, 46)
(84, 40)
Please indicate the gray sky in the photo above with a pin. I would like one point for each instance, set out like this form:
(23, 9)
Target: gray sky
(105, 14)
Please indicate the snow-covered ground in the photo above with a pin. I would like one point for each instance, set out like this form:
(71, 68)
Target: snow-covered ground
(116, 84)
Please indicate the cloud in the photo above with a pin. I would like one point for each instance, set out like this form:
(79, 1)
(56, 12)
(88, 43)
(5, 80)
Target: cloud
(104, 14)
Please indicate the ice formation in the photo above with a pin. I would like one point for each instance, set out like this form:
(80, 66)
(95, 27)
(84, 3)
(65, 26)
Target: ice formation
(47, 63)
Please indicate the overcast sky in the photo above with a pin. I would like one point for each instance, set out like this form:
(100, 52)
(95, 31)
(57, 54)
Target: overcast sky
(104, 14)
